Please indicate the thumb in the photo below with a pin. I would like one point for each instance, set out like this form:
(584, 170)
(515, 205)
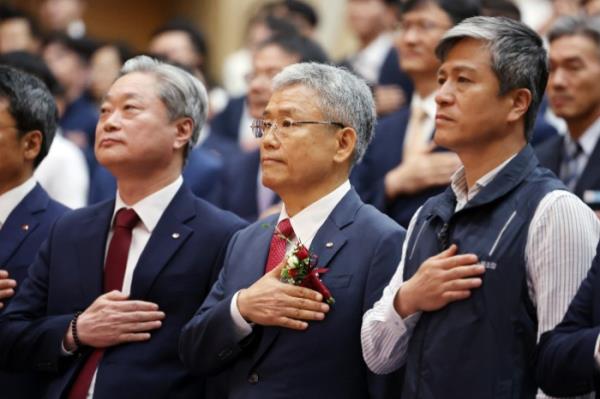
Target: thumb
(276, 272)
(116, 295)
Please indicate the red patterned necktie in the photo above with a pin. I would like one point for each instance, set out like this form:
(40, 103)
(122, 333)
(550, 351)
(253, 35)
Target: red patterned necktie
(282, 234)
(114, 271)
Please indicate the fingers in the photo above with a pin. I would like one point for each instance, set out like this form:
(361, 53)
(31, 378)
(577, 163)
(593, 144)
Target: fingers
(7, 283)
(450, 251)
(461, 272)
(115, 295)
(463, 284)
(300, 314)
(3, 274)
(7, 293)
(134, 337)
(142, 327)
(458, 260)
(139, 316)
(291, 323)
(135, 305)
(301, 292)
(453, 296)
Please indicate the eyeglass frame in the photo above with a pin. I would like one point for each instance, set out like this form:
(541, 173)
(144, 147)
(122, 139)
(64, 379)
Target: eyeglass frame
(259, 132)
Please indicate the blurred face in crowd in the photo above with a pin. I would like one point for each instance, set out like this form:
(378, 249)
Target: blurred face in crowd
(16, 35)
(66, 65)
(592, 7)
(470, 112)
(267, 62)
(104, 69)
(420, 31)
(58, 14)
(301, 157)
(365, 18)
(574, 81)
(135, 135)
(176, 46)
(17, 154)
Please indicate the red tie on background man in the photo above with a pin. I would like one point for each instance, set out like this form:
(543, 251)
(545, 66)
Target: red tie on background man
(114, 271)
(281, 235)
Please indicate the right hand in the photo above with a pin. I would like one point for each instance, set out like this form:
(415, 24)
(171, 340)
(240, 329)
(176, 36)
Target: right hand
(441, 279)
(113, 319)
(7, 287)
(420, 170)
(269, 302)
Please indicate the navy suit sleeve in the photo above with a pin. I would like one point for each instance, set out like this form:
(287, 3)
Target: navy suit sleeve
(208, 342)
(565, 364)
(30, 339)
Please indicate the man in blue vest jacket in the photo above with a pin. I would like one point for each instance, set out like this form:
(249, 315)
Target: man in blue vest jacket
(493, 261)
(27, 126)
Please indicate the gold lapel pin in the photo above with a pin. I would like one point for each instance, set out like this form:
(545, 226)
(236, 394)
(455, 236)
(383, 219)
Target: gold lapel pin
(25, 227)
(175, 235)
(329, 245)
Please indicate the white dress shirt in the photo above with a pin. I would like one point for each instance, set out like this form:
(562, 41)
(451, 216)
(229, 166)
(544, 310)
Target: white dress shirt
(150, 210)
(429, 106)
(368, 61)
(561, 244)
(13, 197)
(306, 224)
(64, 173)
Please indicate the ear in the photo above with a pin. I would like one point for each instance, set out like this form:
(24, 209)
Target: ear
(346, 143)
(520, 100)
(184, 127)
(31, 143)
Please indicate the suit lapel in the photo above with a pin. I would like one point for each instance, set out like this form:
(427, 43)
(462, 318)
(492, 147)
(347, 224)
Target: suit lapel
(91, 248)
(327, 242)
(21, 222)
(170, 234)
(590, 178)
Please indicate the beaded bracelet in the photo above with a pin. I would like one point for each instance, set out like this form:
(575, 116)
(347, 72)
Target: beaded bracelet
(78, 343)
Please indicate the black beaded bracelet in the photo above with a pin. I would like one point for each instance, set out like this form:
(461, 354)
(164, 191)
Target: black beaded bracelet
(78, 343)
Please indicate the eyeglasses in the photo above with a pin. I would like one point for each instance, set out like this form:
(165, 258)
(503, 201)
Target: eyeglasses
(261, 126)
(420, 26)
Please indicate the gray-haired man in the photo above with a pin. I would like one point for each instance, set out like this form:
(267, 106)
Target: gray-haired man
(276, 340)
(494, 260)
(101, 311)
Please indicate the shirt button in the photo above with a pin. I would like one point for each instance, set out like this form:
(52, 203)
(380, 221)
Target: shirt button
(253, 378)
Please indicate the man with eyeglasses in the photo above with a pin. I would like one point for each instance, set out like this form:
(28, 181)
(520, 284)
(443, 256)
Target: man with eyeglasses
(244, 193)
(27, 127)
(270, 339)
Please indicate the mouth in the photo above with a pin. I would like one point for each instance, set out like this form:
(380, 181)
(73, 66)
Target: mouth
(270, 161)
(559, 101)
(109, 141)
(443, 118)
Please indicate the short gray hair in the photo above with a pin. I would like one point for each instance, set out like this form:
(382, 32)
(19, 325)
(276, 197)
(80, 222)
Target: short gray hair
(342, 97)
(576, 26)
(182, 93)
(518, 57)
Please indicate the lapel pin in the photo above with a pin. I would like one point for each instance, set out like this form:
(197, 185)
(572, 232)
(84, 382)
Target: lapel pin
(329, 245)
(175, 235)
(25, 227)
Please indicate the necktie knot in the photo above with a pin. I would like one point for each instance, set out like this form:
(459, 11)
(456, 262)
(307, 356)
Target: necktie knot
(126, 218)
(284, 228)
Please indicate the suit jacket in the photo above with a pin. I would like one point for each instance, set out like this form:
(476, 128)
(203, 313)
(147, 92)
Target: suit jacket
(362, 248)
(240, 186)
(202, 174)
(550, 155)
(565, 358)
(26, 228)
(391, 74)
(176, 270)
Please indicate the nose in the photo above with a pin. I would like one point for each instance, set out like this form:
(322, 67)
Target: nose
(557, 79)
(110, 121)
(444, 94)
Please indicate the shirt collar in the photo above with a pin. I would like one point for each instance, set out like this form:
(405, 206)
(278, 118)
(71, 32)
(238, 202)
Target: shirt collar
(307, 222)
(590, 137)
(13, 197)
(462, 192)
(151, 208)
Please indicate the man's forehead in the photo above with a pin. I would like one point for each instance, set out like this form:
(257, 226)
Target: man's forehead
(135, 85)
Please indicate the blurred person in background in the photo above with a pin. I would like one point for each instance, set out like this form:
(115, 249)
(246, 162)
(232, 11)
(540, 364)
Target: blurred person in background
(27, 127)
(591, 7)
(403, 167)
(373, 22)
(64, 16)
(574, 94)
(105, 64)
(69, 61)
(64, 172)
(19, 32)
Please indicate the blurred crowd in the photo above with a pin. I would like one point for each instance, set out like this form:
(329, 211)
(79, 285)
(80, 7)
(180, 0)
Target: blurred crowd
(224, 167)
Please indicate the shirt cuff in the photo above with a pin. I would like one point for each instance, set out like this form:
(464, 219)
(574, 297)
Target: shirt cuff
(64, 351)
(401, 325)
(240, 326)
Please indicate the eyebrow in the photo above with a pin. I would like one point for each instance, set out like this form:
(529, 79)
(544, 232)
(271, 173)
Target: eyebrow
(283, 110)
(128, 96)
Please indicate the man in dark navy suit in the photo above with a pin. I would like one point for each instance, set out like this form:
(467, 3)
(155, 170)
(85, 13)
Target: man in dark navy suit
(270, 339)
(402, 167)
(101, 310)
(27, 126)
(568, 357)
(574, 94)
